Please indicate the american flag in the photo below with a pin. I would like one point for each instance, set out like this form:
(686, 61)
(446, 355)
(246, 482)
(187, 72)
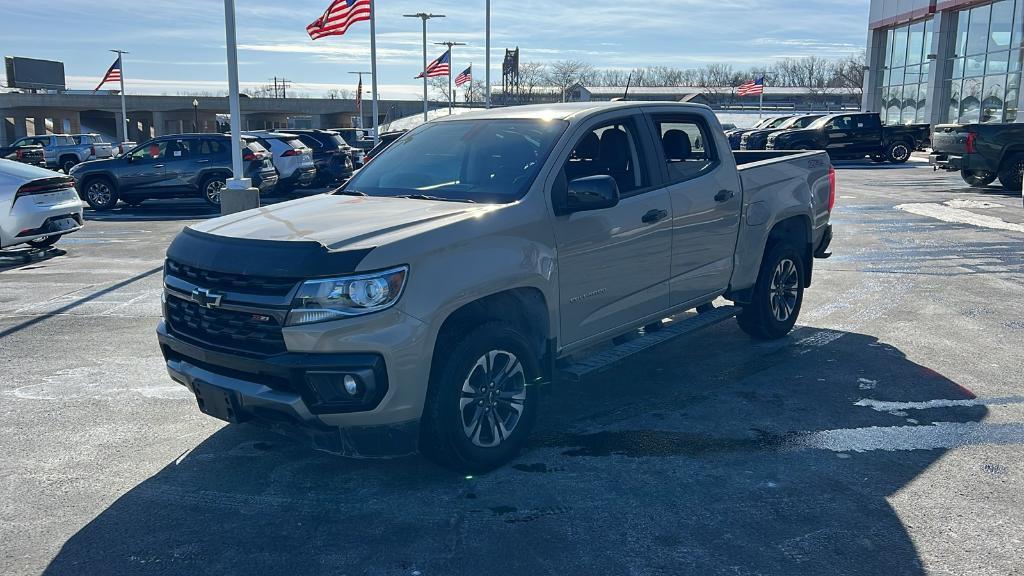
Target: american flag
(113, 74)
(339, 16)
(464, 78)
(440, 67)
(752, 88)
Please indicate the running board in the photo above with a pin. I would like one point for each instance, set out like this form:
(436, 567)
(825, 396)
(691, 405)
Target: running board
(605, 359)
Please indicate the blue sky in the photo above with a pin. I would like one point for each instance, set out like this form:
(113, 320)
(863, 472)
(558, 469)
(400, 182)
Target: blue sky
(178, 45)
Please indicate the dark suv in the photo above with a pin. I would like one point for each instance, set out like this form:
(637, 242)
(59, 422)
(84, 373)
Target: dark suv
(178, 166)
(332, 156)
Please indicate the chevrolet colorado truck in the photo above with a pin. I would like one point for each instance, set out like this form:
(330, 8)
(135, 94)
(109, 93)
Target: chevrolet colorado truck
(981, 153)
(853, 136)
(423, 305)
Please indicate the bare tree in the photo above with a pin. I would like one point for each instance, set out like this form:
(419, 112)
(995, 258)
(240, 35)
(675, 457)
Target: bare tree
(474, 92)
(438, 86)
(531, 76)
(340, 94)
(849, 73)
(566, 73)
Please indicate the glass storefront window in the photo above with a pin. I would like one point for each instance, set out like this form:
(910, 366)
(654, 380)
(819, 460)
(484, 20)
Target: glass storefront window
(904, 79)
(988, 58)
(899, 47)
(916, 46)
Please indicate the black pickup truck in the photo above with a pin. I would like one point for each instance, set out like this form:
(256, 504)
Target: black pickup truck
(33, 154)
(852, 136)
(980, 152)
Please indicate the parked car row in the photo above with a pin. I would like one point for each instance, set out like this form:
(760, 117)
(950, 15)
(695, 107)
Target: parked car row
(190, 165)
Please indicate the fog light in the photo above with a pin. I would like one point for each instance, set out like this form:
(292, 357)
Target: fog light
(351, 385)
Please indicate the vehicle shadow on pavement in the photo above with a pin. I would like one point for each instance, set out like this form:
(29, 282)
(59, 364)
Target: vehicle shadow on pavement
(18, 256)
(708, 455)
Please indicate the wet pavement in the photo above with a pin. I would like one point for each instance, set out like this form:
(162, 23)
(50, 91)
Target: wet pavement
(884, 436)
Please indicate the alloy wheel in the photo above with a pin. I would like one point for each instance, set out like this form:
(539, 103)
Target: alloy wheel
(213, 190)
(493, 398)
(900, 152)
(785, 289)
(99, 194)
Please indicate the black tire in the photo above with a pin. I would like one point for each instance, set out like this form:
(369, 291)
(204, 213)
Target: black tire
(67, 163)
(778, 294)
(212, 187)
(1011, 173)
(977, 178)
(100, 193)
(877, 158)
(898, 152)
(465, 400)
(45, 241)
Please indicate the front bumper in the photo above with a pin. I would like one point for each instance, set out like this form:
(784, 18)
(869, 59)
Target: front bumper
(290, 393)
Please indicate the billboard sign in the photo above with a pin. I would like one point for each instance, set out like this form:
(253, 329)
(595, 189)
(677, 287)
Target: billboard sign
(32, 74)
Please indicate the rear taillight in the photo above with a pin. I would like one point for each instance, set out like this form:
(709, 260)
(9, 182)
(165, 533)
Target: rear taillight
(44, 188)
(249, 156)
(972, 142)
(831, 188)
(21, 154)
(292, 152)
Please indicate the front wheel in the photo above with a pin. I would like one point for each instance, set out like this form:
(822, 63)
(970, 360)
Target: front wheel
(778, 294)
(1011, 174)
(100, 194)
(977, 178)
(212, 188)
(45, 241)
(482, 400)
(898, 152)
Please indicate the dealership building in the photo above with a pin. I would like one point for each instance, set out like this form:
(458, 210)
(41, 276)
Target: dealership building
(939, 61)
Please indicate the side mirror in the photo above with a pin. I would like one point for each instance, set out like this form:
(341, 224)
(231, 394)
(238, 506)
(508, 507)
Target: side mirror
(129, 158)
(591, 193)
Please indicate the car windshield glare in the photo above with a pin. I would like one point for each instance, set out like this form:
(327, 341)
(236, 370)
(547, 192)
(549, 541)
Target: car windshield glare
(487, 161)
(820, 122)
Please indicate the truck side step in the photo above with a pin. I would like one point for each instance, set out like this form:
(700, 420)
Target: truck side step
(603, 360)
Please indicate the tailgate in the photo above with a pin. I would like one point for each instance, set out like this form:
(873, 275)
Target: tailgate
(950, 139)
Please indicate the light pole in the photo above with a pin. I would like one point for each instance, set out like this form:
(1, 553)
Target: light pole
(195, 115)
(424, 16)
(239, 194)
(451, 64)
(359, 97)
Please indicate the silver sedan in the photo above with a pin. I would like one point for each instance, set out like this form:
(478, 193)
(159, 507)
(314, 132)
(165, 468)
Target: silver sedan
(37, 206)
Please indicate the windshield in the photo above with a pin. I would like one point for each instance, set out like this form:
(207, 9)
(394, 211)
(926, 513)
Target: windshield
(778, 122)
(490, 161)
(820, 122)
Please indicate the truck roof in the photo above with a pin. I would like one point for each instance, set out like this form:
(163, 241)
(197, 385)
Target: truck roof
(563, 111)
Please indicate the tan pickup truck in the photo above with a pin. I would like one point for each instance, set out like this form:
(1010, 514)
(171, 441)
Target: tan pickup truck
(421, 306)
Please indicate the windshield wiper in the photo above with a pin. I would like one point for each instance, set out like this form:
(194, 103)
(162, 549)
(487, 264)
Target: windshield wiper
(425, 197)
(351, 193)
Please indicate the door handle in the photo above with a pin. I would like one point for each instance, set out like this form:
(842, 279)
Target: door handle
(724, 195)
(654, 216)
(202, 161)
(158, 166)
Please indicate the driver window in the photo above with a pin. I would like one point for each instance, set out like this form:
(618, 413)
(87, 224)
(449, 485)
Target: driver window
(687, 149)
(611, 149)
(152, 151)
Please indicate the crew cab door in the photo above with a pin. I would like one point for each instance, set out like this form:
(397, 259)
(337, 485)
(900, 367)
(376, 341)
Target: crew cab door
(144, 167)
(840, 135)
(613, 264)
(706, 196)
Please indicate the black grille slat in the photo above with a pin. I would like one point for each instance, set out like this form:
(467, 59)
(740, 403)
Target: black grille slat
(223, 282)
(225, 328)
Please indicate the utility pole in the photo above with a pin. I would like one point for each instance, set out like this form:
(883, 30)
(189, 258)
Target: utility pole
(239, 195)
(124, 112)
(424, 16)
(451, 67)
(359, 97)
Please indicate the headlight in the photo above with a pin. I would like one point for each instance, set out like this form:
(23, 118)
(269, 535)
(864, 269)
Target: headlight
(337, 298)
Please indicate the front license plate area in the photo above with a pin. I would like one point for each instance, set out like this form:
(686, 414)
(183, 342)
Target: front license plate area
(217, 402)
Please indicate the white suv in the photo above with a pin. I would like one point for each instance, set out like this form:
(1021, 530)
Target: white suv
(293, 160)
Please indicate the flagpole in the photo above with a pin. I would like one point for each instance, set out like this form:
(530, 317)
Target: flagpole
(124, 113)
(487, 59)
(373, 72)
(451, 92)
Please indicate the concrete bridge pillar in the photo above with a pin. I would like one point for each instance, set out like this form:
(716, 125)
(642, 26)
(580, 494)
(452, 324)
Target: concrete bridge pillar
(39, 125)
(159, 124)
(122, 126)
(20, 128)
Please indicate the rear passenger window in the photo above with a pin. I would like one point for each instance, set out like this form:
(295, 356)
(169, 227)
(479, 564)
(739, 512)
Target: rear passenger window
(687, 147)
(612, 149)
(209, 148)
(310, 142)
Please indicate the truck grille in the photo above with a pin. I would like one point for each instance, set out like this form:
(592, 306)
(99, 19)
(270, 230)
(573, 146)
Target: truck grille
(223, 282)
(230, 329)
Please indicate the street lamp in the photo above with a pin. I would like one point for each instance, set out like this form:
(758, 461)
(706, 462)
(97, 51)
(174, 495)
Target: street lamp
(424, 16)
(195, 113)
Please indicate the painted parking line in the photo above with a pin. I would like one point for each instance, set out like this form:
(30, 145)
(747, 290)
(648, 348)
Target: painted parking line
(960, 216)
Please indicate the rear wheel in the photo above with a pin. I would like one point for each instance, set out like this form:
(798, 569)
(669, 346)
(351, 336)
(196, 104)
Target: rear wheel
(212, 187)
(898, 152)
(100, 194)
(778, 294)
(1011, 173)
(67, 163)
(482, 401)
(977, 178)
(45, 241)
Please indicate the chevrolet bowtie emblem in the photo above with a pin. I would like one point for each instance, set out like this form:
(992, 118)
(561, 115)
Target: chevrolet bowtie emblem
(205, 298)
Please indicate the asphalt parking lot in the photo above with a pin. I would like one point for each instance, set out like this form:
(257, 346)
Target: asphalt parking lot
(884, 436)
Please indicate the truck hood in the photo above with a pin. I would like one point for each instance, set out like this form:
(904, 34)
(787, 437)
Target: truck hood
(341, 222)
